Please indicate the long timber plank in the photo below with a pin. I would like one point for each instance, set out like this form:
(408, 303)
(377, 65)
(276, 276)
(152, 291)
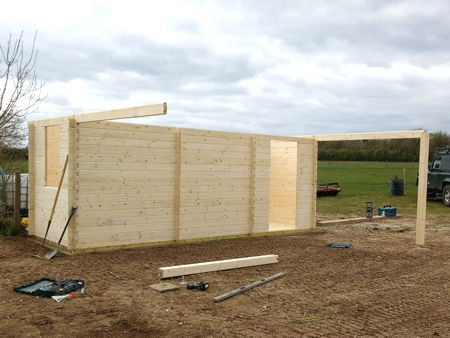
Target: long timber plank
(190, 269)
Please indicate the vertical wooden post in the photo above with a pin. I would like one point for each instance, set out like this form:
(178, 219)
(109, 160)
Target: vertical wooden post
(422, 188)
(31, 178)
(314, 184)
(72, 191)
(177, 185)
(17, 193)
(252, 196)
(297, 185)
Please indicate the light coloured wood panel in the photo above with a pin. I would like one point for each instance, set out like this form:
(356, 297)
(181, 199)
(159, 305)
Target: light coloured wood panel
(141, 222)
(214, 147)
(88, 213)
(109, 133)
(126, 126)
(117, 142)
(283, 182)
(141, 111)
(92, 149)
(126, 158)
(162, 197)
(220, 202)
(138, 205)
(106, 167)
(151, 185)
(189, 269)
(52, 163)
(161, 221)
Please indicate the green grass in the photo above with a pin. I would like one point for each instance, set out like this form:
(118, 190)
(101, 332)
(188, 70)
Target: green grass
(13, 166)
(369, 181)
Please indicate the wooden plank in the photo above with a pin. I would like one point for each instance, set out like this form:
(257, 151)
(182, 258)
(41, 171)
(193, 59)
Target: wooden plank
(283, 182)
(52, 155)
(354, 220)
(116, 114)
(313, 185)
(122, 142)
(71, 182)
(177, 197)
(252, 185)
(370, 136)
(111, 126)
(247, 287)
(422, 189)
(51, 122)
(164, 287)
(120, 133)
(189, 269)
(31, 178)
(114, 246)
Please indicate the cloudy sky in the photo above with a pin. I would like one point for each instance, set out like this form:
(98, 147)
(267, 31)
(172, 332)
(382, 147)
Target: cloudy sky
(277, 67)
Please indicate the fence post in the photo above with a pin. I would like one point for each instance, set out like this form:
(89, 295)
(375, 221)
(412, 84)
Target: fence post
(17, 192)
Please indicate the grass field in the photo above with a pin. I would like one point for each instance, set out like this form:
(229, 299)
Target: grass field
(369, 181)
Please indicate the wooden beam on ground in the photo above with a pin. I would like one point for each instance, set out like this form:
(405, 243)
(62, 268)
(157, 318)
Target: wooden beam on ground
(247, 287)
(422, 189)
(116, 114)
(354, 220)
(370, 136)
(190, 269)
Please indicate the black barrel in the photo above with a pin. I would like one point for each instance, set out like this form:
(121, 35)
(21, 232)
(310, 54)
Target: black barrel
(397, 186)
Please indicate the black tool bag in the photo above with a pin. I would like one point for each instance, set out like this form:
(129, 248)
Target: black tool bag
(48, 287)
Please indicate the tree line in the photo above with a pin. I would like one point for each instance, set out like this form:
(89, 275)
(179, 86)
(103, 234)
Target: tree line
(406, 150)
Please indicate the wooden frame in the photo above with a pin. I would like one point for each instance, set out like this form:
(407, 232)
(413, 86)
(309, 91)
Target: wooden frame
(423, 166)
(139, 185)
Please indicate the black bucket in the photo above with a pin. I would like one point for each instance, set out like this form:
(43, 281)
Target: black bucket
(397, 186)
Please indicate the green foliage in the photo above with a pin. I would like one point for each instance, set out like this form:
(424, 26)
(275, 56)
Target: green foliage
(13, 166)
(14, 154)
(437, 139)
(7, 228)
(379, 150)
(361, 182)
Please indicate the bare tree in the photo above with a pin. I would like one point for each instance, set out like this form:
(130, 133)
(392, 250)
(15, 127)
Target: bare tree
(20, 91)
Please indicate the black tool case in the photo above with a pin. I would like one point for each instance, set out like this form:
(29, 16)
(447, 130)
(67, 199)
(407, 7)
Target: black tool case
(46, 287)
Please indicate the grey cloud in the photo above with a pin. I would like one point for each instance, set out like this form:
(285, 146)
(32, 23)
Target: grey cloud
(208, 88)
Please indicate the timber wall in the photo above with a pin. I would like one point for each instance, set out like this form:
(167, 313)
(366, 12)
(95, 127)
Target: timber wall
(137, 184)
(45, 167)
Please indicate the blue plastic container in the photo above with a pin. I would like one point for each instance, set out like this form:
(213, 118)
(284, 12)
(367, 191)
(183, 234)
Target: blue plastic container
(387, 210)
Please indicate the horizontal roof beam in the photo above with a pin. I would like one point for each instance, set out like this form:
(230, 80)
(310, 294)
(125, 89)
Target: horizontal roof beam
(116, 114)
(371, 136)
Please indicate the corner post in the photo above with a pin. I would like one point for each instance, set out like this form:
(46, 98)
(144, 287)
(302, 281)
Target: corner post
(177, 185)
(72, 193)
(31, 178)
(422, 189)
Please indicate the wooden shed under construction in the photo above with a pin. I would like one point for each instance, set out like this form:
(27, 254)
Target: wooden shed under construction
(139, 185)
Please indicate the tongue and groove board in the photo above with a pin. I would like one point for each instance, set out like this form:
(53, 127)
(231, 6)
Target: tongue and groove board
(137, 185)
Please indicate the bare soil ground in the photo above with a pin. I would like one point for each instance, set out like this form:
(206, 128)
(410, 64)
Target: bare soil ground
(382, 286)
